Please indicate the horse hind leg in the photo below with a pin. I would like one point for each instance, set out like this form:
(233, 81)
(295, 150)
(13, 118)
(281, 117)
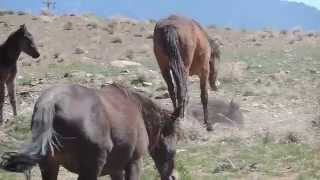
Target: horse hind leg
(2, 89)
(117, 176)
(133, 170)
(204, 99)
(12, 96)
(49, 169)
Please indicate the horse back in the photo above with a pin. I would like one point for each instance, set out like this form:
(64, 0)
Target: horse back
(193, 41)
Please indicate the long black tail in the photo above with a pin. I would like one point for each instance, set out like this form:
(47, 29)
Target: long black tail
(171, 44)
(43, 140)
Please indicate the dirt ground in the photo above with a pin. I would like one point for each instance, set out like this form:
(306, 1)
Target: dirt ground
(272, 75)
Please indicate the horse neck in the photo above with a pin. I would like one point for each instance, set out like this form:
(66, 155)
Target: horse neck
(153, 117)
(10, 50)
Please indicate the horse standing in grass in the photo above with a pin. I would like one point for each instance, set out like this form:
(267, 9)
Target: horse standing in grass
(97, 132)
(20, 40)
(183, 48)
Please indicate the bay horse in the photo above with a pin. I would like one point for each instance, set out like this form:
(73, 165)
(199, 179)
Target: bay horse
(19, 41)
(97, 132)
(183, 48)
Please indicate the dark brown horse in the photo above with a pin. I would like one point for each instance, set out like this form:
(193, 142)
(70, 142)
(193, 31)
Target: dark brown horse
(183, 48)
(97, 132)
(20, 40)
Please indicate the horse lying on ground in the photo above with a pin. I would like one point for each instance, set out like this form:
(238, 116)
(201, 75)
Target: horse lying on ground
(19, 41)
(97, 132)
(183, 48)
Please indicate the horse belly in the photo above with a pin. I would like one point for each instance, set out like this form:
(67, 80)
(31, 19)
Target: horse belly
(118, 159)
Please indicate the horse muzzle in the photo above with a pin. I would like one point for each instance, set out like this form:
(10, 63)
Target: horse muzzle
(36, 55)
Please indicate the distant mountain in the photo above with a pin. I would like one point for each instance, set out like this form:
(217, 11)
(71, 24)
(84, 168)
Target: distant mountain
(250, 14)
(257, 14)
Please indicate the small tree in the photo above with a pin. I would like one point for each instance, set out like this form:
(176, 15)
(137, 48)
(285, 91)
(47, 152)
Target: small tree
(50, 5)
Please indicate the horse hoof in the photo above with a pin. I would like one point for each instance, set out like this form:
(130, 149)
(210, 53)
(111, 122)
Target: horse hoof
(209, 128)
(214, 88)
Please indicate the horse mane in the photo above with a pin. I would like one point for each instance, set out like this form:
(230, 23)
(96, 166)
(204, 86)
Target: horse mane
(152, 112)
(10, 38)
(155, 117)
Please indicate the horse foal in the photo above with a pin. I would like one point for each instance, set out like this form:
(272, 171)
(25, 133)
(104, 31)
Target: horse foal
(19, 41)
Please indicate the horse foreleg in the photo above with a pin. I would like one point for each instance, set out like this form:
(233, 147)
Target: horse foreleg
(117, 176)
(204, 100)
(91, 167)
(133, 170)
(11, 88)
(1, 101)
(49, 169)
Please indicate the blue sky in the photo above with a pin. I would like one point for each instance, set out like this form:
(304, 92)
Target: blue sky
(140, 9)
(314, 3)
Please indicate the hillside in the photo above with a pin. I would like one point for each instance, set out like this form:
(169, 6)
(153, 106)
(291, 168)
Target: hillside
(272, 75)
(244, 14)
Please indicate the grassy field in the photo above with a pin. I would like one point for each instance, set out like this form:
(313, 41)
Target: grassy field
(276, 83)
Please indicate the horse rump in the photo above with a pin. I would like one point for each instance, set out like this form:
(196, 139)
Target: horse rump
(171, 45)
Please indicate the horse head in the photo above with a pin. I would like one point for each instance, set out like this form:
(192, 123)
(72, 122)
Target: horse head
(26, 42)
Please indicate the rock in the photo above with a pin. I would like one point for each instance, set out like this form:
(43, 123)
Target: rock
(79, 51)
(258, 44)
(279, 76)
(314, 71)
(163, 96)
(76, 74)
(116, 40)
(60, 60)
(108, 29)
(150, 36)
(68, 26)
(56, 55)
(26, 63)
(126, 71)
(122, 64)
(92, 25)
(283, 32)
(21, 13)
(161, 88)
(89, 75)
(146, 84)
(129, 54)
(249, 93)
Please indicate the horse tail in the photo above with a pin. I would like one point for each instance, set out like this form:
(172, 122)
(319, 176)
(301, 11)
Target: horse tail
(44, 139)
(177, 67)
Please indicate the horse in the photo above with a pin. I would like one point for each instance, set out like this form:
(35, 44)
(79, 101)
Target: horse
(97, 132)
(183, 48)
(19, 41)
